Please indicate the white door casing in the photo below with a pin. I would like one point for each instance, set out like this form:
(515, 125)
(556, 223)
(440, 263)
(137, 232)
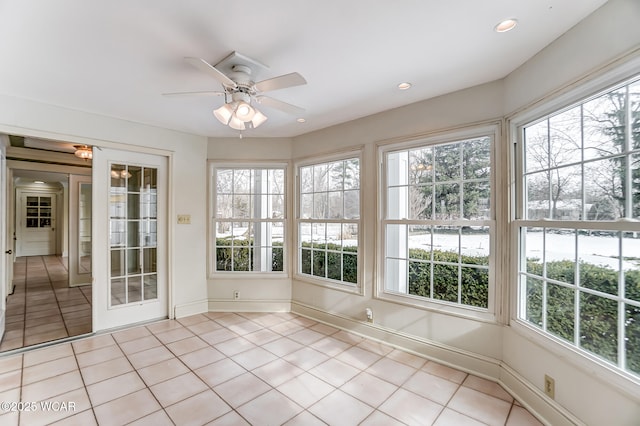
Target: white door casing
(79, 230)
(129, 238)
(4, 249)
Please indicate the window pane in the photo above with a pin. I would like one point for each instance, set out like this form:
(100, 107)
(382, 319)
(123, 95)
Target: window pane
(319, 263)
(420, 242)
(602, 124)
(397, 203)
(242, 257)
(599, 326)
(306, 206)
(421, 166)
(397, 166)
(533, 249)
(447, 200)
(446, 244)
(447, 162)
(599, 256)
(118, 291)
(305, 234)
(565, 136)
(476, 200)
(396, 241)
(319, 236)
(150, 287)
(117, 263)
(395, 275)
(352, 174)
(350, 237)
(305, 261)
(566, 193)
(336, 176)
(134, 289)
(334, 236)
(276, 181)
(352, 204)
(560, 311)
(335, 205)
(533, 308)
(320, 177)
(475, 245)
(538, 196)
(536, 146)
(277, 206)
(420, 202)
(445, 282)
(475, 286)
(420, 278)
(320, 205)
(242, 181)
(560, 254)
(476, 162)
(241, 206)
(224, 181)
(350, 268)
(224, 205)
(306, 179)
(603, 189)
(334, 266)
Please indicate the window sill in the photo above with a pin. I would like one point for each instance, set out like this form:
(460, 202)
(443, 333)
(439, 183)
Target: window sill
(248, 275)
(476, 314)
(334, 285)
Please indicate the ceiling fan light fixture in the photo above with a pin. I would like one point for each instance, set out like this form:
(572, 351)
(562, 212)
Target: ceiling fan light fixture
(224, 113)
(258, 119)
(83, 151)
(236, 124)
(245, 111)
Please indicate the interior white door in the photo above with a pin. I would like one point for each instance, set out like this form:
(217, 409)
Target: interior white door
(36, 223)
(129, 232)
(79, 230)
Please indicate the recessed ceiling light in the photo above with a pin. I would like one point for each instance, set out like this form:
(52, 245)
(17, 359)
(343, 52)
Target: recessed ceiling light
(404, 86)
(38, 181)
(301, 120)
(506, 25)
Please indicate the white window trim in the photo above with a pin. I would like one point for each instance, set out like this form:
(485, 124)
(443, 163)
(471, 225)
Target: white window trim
(353, 288)
(491, 314)
(615, 73)
(211, 194)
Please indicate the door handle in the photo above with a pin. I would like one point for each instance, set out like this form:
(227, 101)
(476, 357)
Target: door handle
(9, 252)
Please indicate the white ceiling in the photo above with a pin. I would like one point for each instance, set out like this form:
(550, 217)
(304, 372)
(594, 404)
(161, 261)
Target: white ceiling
(116, 57)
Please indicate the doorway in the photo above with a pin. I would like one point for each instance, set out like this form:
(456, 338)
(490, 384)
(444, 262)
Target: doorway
(41, 303)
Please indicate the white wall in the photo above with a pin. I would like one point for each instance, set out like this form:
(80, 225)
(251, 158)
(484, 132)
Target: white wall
(188, 243)
(257, 293)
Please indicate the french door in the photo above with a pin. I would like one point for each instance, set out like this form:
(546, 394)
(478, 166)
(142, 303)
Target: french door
(129, 232)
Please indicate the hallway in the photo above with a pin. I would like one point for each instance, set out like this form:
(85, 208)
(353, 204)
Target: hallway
(42, 307)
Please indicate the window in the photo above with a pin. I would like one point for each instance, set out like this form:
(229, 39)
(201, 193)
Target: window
(329, 220)
(249, 218)
(438, 221)
(579, 205)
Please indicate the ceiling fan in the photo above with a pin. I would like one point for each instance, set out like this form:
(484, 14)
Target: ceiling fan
(236, 73)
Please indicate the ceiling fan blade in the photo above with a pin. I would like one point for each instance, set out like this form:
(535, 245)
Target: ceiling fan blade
(202, 93)
(281, 82)
(282, 106)
(212, 71)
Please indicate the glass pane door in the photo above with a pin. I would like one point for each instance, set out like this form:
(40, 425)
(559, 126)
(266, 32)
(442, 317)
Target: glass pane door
(133, 223)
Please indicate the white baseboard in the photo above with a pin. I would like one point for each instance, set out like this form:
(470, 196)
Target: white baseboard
(547, 411)
(193, 308)
(226, 305)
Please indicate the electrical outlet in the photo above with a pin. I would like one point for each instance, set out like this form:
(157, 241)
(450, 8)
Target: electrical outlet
(369, 313)
(236, 294)
(549, 386)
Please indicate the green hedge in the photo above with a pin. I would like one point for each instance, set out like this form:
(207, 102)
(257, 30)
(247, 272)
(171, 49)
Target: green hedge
(330, 261)
(598, 315)
(240, 256)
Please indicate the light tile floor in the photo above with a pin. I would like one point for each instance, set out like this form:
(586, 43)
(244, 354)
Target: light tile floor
(244, 368)
(43, 307)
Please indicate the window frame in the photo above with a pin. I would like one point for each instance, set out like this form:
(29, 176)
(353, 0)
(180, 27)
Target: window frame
(489, 314)
(214, 165)
(355, 288)
(614, 76)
